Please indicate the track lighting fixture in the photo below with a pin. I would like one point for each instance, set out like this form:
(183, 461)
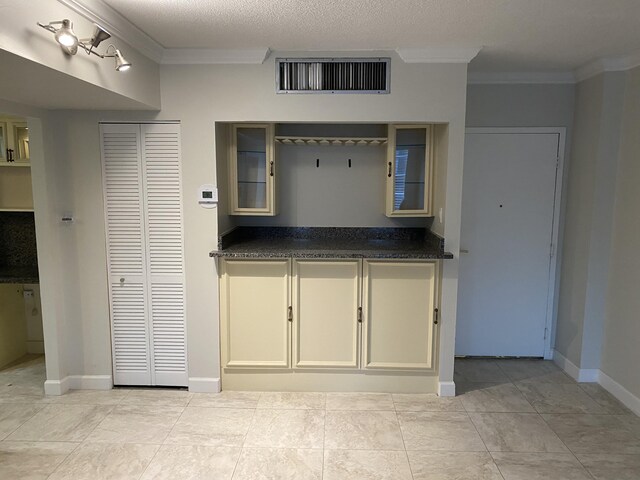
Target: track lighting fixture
(69, 42)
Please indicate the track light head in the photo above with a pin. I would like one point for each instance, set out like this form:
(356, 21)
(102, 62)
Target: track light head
(66, 37)
(69, 42)
(99, 36)
(122, 65)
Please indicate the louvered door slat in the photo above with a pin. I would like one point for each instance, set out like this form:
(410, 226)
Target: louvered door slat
(124, 215)
(163, 211)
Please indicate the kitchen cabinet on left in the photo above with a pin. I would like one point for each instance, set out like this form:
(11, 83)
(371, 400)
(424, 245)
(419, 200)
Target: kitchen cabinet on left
(252, 169)
(16, 193)
(145, 258)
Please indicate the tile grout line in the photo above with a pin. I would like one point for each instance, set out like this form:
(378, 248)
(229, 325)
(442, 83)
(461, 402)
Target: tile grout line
(65, 459)
(18, 427)
(150, 462)
(404, 445)
(481, 439)
(563, 442)
(244, 439)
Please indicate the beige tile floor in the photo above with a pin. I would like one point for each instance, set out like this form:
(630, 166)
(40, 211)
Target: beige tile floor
(512, 420)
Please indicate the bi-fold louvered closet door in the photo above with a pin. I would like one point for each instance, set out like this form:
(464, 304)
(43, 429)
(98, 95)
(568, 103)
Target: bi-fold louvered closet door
(143, 209)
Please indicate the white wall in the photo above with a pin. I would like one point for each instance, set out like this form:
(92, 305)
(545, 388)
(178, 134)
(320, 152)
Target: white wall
(198, 96)
(590, 193)
(25, 45)
(621, 355)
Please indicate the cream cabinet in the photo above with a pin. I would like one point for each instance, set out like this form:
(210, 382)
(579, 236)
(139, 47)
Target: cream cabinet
(327, 311)
(409, 171)
(399, 305)
(16, 193)
(252, 170)
(328, 314)
(255, 313)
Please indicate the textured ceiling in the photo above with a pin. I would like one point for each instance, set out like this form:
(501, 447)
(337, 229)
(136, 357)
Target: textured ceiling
(516, 35)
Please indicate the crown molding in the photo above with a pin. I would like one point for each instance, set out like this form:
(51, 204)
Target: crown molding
(438, 54)
(98, 12)
(482, 78)
(207, 56)
(611, 64)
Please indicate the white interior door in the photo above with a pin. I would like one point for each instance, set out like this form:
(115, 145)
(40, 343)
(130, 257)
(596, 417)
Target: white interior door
(143, 206)
(508, 205)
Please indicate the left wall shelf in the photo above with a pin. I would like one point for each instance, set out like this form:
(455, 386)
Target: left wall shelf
(16, 164)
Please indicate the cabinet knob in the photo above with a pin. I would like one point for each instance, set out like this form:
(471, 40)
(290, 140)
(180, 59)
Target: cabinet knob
(359, 314)
(435, 316)
(290, 314)
(271, 168)
(389, 173)
(121, 279)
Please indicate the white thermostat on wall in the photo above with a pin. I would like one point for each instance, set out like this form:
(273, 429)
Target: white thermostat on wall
(208, 196)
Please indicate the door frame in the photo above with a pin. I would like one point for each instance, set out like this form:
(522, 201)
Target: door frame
(554, 260)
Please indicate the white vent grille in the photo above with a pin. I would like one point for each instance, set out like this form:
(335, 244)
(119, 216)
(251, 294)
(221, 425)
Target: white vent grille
(332, 75)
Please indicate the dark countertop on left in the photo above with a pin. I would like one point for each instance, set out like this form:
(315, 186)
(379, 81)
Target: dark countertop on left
(330, 242)
(18, 253)
(11, 274)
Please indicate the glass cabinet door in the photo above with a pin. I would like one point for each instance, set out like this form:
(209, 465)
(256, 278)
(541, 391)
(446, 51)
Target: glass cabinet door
(3, 142)
(409, 176)
(252, 169)
(21, 141)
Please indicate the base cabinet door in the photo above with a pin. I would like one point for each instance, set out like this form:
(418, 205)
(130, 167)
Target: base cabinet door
(326, 304)
(254, 305)
(399, 302)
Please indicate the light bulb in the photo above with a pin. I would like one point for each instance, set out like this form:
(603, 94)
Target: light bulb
(65, 36)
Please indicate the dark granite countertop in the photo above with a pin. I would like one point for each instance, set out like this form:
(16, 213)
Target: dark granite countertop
(12, 274)
(330, 242)
(18, 255)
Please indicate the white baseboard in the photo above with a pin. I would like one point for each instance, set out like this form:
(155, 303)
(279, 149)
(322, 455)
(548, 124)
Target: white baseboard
(36, 347)
(204, 385)
(625, 396)
(578, 374)
(78, 382)
(90, 382)
(446, 389)
(598, 376)
(56, 387)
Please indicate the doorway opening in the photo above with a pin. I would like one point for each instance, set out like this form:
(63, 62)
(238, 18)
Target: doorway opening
(22, 365)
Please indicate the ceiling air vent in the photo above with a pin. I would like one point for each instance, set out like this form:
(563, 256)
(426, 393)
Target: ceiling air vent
(332, 75)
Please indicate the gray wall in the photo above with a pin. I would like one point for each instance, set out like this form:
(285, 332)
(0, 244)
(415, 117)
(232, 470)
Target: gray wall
(621, 355)
(590, 195)
(534, 105)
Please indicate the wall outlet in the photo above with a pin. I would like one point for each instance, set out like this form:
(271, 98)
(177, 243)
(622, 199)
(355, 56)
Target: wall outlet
(27, 294)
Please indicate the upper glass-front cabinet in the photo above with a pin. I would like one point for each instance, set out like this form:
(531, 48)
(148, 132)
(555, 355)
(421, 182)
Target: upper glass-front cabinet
(3, 142)
(21, 142)
(409, 171)
(252, 169)
(14, 142)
